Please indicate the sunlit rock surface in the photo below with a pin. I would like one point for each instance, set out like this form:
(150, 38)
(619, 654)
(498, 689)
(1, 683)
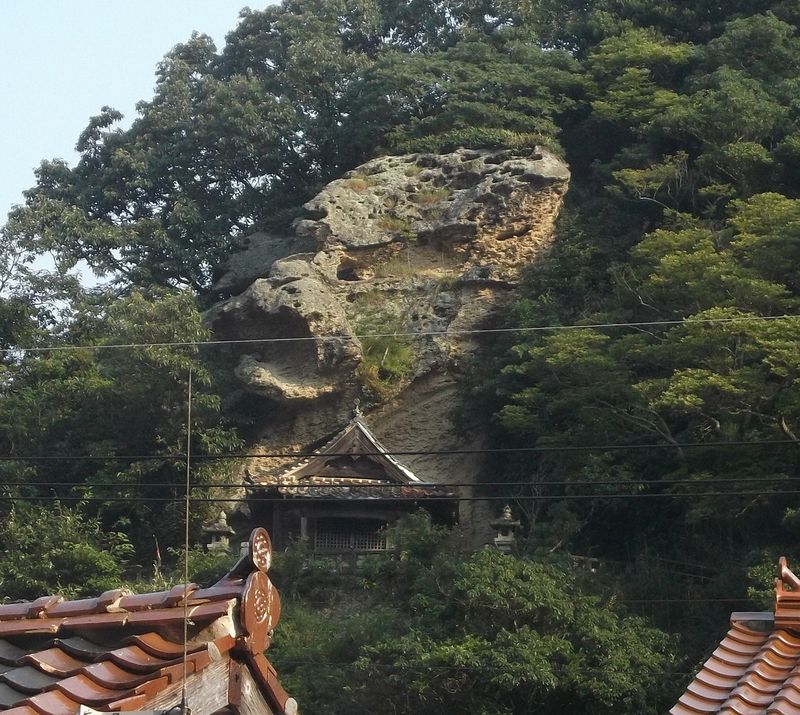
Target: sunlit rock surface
(428, 247)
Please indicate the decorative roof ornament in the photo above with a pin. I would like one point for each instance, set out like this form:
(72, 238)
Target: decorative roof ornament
(787, 597)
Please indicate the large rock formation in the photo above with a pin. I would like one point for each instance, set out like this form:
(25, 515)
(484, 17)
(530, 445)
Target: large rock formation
(396, 263)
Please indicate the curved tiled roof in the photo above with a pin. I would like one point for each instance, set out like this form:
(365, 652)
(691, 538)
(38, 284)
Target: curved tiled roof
(755, 670)
(353, 464)
(120, 651)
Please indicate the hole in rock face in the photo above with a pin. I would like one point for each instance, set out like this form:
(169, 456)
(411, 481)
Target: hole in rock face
(465, 180)
(348, 270)
(428, 161)
(316, 213)
(499, 157)
(289, 360)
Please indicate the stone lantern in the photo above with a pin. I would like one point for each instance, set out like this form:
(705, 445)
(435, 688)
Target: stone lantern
(506, 525)
(218, 533)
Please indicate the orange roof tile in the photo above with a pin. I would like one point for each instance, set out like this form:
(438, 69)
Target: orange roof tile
(755, 670)
(119, 650)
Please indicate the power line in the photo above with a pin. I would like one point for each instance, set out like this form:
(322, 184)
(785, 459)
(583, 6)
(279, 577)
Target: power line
(637, 601)
(427, 333)
(478, 485)
(450, 668)
(401, 498)
(743, 599)
(400, 453)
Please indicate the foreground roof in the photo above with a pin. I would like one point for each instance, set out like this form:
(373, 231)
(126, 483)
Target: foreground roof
(123, 652)
(353, 464)
(756, 668)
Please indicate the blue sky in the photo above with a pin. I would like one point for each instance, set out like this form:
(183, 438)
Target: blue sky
(63, 60)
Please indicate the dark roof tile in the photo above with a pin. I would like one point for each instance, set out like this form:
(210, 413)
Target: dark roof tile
(10, 653)
(80, 647)
(27, 679)
(10, 696)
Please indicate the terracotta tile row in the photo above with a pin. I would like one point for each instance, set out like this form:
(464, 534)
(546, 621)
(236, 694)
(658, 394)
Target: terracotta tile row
(144, 619)
(116, 602)
(57, 679)
(750, 673)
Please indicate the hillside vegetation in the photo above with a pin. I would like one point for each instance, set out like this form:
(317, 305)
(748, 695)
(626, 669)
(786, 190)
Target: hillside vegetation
(671, 424)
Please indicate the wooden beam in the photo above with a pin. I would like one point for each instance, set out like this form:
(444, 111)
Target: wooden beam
(206, 691)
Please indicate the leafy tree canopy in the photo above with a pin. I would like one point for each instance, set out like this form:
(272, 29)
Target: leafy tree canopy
(487, 632)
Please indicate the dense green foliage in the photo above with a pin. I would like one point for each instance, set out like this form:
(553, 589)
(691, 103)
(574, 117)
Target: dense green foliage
(681, 122)
(53, 549)
(483, 632)
(118, 416)
(684, 206)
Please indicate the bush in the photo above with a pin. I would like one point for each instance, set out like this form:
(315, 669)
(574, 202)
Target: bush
(55, 549)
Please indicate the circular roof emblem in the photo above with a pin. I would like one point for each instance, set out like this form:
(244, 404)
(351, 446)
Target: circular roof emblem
(261, 549)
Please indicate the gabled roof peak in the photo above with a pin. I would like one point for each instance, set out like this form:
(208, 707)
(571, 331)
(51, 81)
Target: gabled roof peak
(356, 440)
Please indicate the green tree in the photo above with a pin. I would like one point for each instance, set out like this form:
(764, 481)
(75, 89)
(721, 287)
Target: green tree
(481, 92)
(124, 410)
(486, 632)
(53, 549)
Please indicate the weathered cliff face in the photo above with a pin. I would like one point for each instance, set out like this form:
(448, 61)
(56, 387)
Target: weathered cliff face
(413, 252)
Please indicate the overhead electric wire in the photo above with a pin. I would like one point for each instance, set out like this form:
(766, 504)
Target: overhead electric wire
(743, 599)
(400, 452)
(454, 668)
(424, 333)
(279, 484)
(400, 498)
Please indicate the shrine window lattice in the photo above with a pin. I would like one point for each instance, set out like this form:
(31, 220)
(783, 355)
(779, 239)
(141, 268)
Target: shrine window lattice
(349, 535)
